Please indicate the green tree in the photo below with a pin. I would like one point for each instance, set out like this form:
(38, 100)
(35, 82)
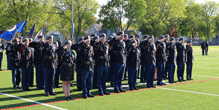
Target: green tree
(119, 15)
(84, 11)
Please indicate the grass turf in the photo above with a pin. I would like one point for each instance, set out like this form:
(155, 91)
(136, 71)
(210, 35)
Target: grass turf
(204, 67)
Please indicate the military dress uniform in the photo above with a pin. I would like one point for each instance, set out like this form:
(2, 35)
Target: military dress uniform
(133, 58)
(1, 54)
(66, 65)
(118, 63)
(9, 56)
(180, 60)
(101, 60)
(49, 58)
(31, 68)
(150, 63)
(144, 49)
(85, 66)
(160, 59)
(171, 59)
(15, 63)
(189, 63)
(25, 64)
(38, 58)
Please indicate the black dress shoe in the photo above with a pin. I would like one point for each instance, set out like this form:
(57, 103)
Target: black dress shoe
(122, 90)
(70, 98)
(67, 98)
(47, 94)
(153, 86)
(101, 94)
(91, 95)
(164, 83)
(15, 88)
(107, 93)
(135, 88)
(18, 87)
(85, 97)
(53, 93)
(174, 82)
(116, 91)
(160, 84)
(148, 86)
(183, 80)
(170, 82)
(179, 80)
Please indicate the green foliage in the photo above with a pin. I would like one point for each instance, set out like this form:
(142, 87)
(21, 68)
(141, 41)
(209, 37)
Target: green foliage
(119, 15)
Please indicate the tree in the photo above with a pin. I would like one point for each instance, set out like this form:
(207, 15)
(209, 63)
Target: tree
(207, 25)
(189, 25)
(16, 11)
(119, 15)
(162, 16)
(84, 11)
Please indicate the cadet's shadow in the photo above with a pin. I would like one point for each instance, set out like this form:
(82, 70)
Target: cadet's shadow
(16, 105)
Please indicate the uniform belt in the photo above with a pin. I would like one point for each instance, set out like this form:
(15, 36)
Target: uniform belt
(69, 64)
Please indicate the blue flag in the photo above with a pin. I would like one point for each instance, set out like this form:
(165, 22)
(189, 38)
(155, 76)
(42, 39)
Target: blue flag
(21, 28)
(9, 34)
(32, 30)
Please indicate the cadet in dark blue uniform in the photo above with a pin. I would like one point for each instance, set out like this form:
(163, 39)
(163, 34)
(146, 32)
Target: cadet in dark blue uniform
(66, 68)
(133, 58)
(15, 63)
(127, 43)
(25, 64)
(31, 65)
(38, 58)
(49, 65)
(204, 48)
(189, 63)
(101, 60)
(83, 50)
(95, 83)
(110, 75)
(78, 66)
(119, 60)
(180, 59)
(150, 61)
(9, 56)
(166, 42)
(1, 54)
(160, 59)
(171, 59)
(143, 47)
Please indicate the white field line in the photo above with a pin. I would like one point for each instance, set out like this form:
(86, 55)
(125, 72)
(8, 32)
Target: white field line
(189, 91)
(33, 101)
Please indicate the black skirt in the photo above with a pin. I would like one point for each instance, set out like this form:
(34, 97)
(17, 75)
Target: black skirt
(67, 72)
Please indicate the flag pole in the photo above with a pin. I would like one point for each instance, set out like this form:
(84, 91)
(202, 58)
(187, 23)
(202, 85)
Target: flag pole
(72, 21)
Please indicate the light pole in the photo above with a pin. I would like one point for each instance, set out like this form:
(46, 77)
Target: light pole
(72, 21)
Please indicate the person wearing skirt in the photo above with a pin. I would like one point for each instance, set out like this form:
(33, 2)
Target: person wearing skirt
(67, 68)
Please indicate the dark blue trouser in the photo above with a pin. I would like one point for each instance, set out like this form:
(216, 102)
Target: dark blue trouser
(95, 83)
(1, 57)
(143, 76)
(150, 75)
(79, 78)
(86, 82)
(126, 70)
(180, 70)
(56, 79)
(39, 76)
(204, 51)
(48, 75)
(118, 70)
(189, 70)
(9, 58)
(110, 75)
(16, 77)
(25, 78)
(101, 78)
(31, 77)
(160, 71)
(165, 70)
(171, 71)
(132, 77)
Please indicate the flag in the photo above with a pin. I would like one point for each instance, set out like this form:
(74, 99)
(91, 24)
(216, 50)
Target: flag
(32, 30)
(21, 28)
(9, 34)
(42, 32)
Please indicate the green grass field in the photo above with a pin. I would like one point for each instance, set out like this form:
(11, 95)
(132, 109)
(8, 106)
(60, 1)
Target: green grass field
(201, 93)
